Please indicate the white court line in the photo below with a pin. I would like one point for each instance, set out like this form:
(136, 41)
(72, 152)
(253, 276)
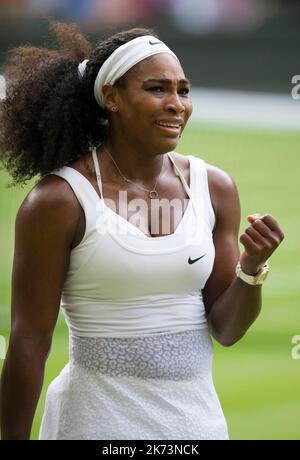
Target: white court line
(245, 109)
(239, 108)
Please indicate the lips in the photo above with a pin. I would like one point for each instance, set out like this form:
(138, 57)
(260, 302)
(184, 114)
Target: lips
(169, 124)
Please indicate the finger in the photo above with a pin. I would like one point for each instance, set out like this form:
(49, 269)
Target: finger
(253, 217)
(270, 242)
(256, 237)
(266, 232)
(255, 214)
(250, 246)
(269, 220)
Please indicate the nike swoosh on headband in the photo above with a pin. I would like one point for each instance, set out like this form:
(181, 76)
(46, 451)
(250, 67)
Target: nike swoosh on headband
(192, 261)
(154, 43)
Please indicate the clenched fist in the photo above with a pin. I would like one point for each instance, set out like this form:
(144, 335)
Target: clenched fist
(260, 240)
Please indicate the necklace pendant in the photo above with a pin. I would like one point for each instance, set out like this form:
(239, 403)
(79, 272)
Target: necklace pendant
(153, 194)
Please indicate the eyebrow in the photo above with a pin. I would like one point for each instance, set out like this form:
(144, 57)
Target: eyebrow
(167, 81)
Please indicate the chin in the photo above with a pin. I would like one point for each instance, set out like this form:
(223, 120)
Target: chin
(167, 144)
(170, 145)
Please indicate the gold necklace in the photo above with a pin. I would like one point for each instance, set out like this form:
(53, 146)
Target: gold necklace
(152, 192)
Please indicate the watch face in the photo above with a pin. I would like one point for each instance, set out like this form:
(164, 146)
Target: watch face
(260, 278)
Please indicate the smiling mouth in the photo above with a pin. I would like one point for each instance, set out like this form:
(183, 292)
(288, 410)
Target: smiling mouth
(168, 125)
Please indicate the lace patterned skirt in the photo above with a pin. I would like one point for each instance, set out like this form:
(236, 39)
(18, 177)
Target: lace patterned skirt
(147, 387)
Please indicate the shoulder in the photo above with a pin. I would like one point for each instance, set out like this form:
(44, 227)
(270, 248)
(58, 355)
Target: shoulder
(52, 192)
(180, 159)
(219, 181)
(224, 195)
(182, 162)
(221, 185)
(217, 177)
(50, 203)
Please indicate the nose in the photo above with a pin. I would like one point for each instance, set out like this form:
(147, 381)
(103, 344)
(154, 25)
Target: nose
(174, 103)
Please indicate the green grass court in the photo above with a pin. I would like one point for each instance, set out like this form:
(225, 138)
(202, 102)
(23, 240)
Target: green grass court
(257, 380)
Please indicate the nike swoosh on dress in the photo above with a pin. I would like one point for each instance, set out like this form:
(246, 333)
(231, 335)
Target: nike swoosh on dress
(154, 43)
(192, 261)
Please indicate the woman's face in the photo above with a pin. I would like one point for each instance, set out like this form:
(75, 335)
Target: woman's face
(154, 103)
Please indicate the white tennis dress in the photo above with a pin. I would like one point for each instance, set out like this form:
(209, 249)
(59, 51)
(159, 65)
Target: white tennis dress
(140, 364)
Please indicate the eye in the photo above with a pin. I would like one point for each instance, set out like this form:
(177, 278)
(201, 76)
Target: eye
(157, 89)
(184, 91)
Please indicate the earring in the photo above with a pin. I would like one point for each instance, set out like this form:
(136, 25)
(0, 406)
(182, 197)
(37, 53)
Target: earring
(114, 109)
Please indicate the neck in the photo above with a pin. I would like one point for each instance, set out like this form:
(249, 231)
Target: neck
(136, 164)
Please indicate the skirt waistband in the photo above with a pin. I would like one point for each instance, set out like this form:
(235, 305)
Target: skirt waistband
(182, 355)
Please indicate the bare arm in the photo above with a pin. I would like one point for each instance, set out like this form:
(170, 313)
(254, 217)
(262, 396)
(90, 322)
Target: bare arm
(231, 304)
(45, 226)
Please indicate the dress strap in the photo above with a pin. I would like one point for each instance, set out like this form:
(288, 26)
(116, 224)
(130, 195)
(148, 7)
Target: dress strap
(179, 173)
(98, 174)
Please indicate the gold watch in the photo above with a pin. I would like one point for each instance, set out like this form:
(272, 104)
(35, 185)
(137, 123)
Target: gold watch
(255, 280)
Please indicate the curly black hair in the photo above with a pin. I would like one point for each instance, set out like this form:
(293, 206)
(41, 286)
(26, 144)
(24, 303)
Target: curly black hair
(50, 116)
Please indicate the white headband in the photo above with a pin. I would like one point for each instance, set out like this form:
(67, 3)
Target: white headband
(122, 59)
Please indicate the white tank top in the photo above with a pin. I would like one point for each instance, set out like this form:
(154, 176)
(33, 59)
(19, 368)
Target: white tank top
(120, 282)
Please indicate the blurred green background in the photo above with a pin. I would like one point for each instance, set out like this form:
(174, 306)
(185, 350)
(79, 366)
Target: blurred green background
(257, 380)
(239, 45)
